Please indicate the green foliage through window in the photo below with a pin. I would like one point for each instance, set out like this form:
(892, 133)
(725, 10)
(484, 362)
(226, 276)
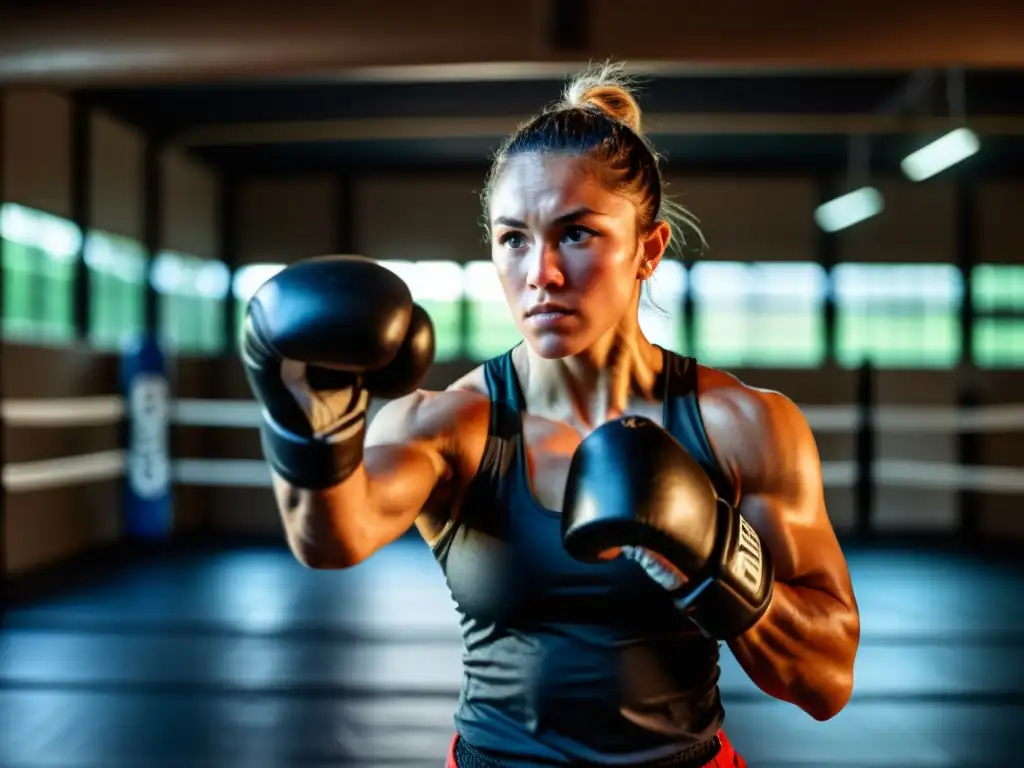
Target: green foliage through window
(998, 334)
(117, 268)
(898, 315)
(759, 314)
(192, 299)
(40, 254)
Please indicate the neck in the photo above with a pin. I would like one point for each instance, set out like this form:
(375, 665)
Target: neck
(596, 384)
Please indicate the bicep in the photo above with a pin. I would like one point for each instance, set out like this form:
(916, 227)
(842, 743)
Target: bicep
(343, 525)
(404, 457)
(784, 501)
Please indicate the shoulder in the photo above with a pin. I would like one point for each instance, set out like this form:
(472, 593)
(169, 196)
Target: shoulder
(753, 431)
(474, 382)
(739, 403)
(434, 415)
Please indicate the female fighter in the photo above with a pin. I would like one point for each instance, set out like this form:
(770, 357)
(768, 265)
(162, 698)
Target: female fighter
(606, 512)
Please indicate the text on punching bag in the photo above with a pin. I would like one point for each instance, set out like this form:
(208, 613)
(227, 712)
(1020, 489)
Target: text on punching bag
(149, 465)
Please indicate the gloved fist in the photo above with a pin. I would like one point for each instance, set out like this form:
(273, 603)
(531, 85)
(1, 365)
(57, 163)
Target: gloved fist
(634, 490)
(319, 339)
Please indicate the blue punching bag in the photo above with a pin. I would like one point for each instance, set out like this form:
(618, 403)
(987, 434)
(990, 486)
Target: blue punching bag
(147, 503)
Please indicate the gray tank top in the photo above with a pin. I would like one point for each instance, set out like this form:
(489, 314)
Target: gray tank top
(566, 661)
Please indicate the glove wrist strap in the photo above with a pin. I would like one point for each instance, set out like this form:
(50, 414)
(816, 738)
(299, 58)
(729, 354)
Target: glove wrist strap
(313, 463)
(731, 605)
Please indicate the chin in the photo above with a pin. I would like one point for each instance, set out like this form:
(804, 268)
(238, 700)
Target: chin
(550, 346)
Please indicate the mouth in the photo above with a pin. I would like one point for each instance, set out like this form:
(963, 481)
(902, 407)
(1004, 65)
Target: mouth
(549, 317)
(548, 311)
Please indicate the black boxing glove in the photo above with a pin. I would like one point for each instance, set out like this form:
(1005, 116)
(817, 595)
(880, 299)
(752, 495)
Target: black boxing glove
(633, 488)
(320, 338)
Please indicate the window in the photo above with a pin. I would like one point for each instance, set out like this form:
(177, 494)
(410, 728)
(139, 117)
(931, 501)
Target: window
(40, 253)
(661, 310)
(438, 287)
(760, 314)
(492, 330)
(117, 284)
(192, 298)
(245, 283)
(898, 315)
(998, 294)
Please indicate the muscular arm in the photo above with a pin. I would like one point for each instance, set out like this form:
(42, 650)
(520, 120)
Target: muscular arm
(802, 650)
(408, 454)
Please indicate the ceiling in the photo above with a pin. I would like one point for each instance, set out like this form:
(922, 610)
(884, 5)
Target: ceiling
(79, 42)
(716, 122)
(732, 86)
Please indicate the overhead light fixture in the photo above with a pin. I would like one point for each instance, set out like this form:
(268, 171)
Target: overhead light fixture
(863, 201)
(849, 209)
(954, 147)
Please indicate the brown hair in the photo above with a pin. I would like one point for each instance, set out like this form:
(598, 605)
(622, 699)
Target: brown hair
(598, 117)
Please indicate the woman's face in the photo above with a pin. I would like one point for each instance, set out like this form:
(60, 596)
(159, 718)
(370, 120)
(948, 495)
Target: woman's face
(567, 252)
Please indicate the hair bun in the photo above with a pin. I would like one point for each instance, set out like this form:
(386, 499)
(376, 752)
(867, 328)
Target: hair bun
(606, 88)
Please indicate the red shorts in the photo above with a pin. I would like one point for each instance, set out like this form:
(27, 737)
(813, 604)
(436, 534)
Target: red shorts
(726, 757)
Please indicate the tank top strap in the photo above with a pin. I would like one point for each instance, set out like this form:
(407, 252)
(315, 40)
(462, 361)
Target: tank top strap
(503, 387)
(497, 465)
(684, 422)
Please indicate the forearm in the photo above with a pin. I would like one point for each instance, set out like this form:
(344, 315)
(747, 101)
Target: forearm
(321, 526)
(802, 650)
(344, 524)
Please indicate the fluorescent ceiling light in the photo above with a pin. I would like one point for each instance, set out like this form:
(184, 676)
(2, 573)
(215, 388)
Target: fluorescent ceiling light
(849, 209)
(942, 153)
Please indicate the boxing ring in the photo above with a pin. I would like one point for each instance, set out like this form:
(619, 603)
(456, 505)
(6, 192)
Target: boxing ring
(209, 655)
(866, 421)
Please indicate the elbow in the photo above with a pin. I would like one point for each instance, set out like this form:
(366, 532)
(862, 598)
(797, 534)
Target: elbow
(316, 539)
(320, 557)
(830, 687)
(317, 560)
(830, 698)
(821, 693)
(835, 680)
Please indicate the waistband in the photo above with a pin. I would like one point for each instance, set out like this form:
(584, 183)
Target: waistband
(465, 755)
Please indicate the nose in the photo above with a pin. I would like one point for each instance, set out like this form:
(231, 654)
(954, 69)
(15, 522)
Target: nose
(545, 268)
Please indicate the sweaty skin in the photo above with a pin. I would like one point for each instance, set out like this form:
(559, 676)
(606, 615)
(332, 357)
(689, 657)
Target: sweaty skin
(559, 237)
(802, 650)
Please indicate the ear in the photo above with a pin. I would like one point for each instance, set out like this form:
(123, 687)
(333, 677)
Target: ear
(652, 249)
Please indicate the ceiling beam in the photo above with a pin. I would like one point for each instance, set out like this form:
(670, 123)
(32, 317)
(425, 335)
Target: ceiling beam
(408, 128)
(106, 42)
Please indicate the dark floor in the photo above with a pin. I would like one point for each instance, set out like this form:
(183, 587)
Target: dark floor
(247, 659)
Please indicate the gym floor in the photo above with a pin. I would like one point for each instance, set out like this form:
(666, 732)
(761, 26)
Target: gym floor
(242, 657)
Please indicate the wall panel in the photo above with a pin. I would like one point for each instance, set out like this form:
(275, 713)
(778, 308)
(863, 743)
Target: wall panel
(420, 218)
(37, 166)
(285, 219)
(190, 199)
(751, 219)
(917, 225)
(116, 179)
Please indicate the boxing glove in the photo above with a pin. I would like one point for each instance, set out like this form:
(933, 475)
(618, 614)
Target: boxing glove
(319, 339)
(633, 490)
